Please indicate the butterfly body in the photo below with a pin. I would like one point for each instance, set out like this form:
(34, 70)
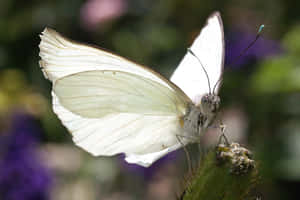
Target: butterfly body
(193, 123)
(199, 117)
(111, 105)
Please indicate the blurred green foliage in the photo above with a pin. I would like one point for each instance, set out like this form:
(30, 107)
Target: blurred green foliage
(280, 74)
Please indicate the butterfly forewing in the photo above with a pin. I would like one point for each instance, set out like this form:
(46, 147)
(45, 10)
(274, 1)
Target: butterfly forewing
(61, 57)
(208, 47)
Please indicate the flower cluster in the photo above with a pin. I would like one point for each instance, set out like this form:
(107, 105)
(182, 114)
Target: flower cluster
(22, 176)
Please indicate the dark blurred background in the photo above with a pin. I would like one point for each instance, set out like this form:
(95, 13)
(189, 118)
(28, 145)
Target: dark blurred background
(260, 94)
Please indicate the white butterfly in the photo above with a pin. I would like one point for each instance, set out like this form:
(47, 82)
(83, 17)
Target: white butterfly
(111, 105)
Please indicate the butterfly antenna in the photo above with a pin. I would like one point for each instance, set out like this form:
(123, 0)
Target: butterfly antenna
(191, 52)
(217, 83)
(251, 44)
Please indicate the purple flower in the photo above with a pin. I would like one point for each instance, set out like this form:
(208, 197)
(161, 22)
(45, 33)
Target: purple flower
(95, 12)
(22, 176)
(237, 41)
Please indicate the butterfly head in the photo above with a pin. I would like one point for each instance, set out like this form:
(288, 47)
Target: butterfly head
(210, 103)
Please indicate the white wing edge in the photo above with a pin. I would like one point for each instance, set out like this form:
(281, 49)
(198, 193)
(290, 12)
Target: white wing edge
(147, 159)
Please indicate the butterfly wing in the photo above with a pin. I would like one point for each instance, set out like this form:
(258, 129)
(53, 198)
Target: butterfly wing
(209, 49)
(144, 139)
(61, 57)
(95, 94)
(111, 105)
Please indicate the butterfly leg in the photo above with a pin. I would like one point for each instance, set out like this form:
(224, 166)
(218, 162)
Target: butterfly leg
(179, 138)
(223, 136)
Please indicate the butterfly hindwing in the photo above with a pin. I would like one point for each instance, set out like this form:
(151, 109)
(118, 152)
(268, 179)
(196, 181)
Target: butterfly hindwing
(143, 139)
